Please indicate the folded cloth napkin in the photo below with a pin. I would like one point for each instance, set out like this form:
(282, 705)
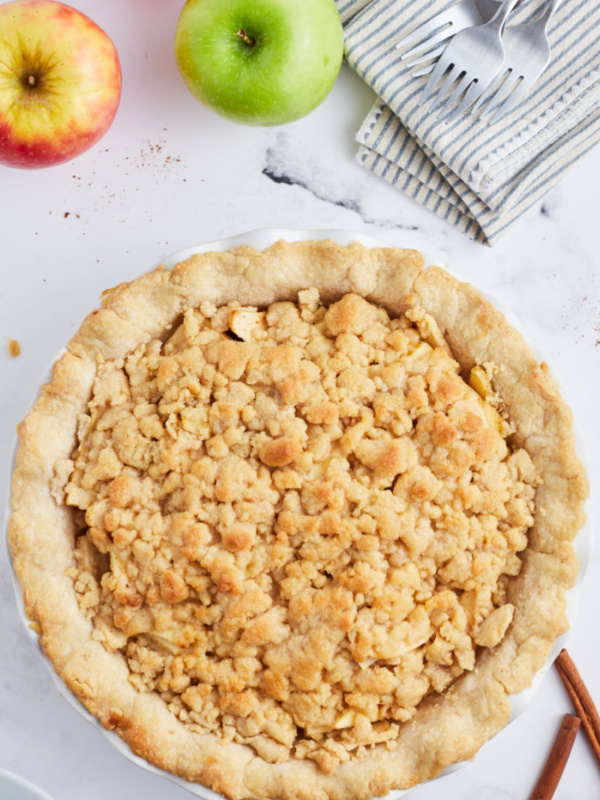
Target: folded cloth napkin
(480, 177)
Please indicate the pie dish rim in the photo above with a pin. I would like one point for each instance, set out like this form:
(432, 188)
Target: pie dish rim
(27, 790)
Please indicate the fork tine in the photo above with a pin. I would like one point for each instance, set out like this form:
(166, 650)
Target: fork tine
(426, 28)
(466, 82)
(500, 82)
(511, 100)
(456, 73)
(430, 87)
(429, 56)
(445, 33)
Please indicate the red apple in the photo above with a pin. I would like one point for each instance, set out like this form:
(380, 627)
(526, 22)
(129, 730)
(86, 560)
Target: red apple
(60, 83)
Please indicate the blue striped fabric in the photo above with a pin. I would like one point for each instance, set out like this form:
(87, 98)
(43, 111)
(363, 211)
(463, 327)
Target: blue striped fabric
(479, 177)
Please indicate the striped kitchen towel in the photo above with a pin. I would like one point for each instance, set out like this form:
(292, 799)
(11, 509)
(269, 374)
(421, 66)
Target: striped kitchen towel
(479, 177)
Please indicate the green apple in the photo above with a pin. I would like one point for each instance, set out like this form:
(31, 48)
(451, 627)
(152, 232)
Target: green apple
(259, 62)
(60, 83)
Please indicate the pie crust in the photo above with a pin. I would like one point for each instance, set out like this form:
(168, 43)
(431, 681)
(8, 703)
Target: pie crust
(363, 720)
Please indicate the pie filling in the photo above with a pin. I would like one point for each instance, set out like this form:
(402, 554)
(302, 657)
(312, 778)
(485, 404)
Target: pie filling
(297, 523)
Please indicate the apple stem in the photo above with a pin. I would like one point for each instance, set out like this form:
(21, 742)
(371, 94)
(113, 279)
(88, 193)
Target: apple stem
(244, 36)
(31, 80)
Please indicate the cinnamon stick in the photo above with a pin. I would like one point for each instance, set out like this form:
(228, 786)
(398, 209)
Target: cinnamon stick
(557, 760)
(581, 699)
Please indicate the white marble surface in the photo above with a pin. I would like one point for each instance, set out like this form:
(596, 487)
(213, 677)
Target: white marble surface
(170, 174)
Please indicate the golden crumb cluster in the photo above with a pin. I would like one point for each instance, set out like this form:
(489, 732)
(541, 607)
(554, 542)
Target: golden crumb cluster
(299, 522)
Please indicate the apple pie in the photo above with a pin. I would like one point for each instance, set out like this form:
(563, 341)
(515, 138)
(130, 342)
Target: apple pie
(296, 523)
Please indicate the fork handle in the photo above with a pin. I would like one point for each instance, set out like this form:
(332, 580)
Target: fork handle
(499, 19)
(549, 9)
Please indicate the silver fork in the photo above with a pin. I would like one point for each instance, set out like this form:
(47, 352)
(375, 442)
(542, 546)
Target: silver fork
(526, 55)
(471, 60)
(440, 28)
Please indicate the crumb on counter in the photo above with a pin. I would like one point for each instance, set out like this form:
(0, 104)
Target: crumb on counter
(14, 348)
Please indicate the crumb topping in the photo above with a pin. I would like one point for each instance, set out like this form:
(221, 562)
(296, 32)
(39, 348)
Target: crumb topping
(296, 523)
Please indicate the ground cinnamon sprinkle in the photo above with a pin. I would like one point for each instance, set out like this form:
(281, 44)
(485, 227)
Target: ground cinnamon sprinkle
(557, 760)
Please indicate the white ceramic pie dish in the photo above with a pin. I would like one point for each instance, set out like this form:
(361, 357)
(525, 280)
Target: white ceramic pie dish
(14, 787)
(262, 239)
